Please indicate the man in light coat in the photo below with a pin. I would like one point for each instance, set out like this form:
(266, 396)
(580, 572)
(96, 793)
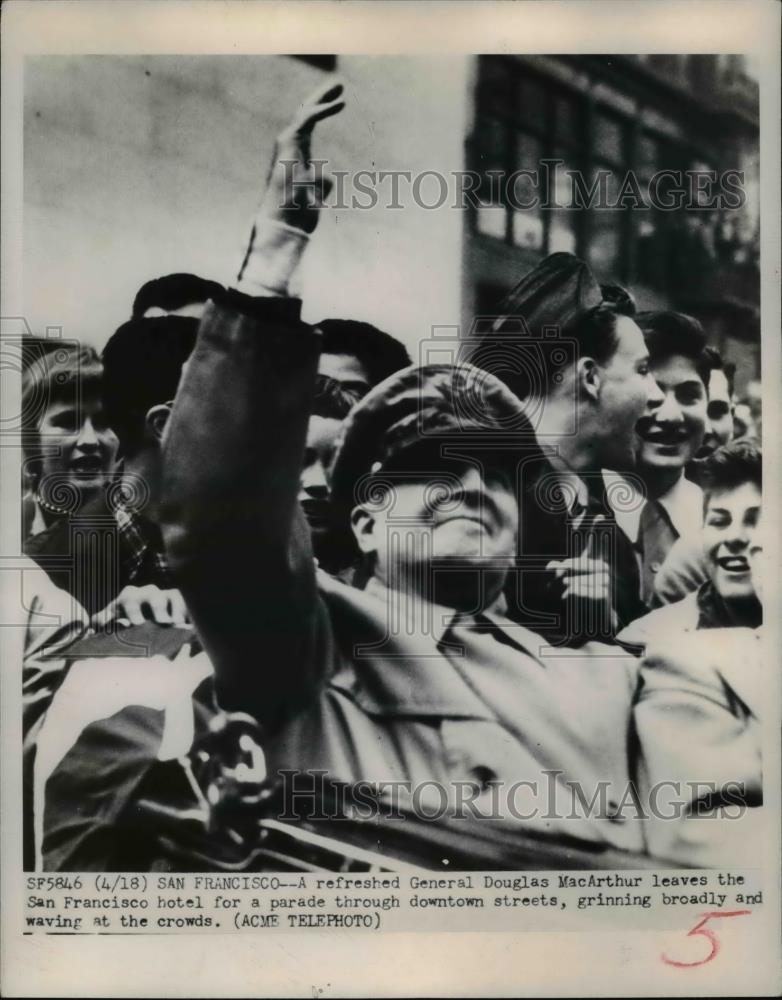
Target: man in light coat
(419, 676)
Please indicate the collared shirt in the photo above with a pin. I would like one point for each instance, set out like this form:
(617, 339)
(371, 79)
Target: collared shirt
(683, 503)
(653, 526)
(33, 516)
(430, 618)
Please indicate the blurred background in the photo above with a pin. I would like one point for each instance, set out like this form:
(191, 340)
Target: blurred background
(136, 167)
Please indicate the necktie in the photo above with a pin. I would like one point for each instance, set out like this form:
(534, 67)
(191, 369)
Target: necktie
(589, 522)
(597, 536)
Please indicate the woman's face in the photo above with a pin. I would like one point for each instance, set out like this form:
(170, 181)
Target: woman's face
(729, 526)
(78, 446)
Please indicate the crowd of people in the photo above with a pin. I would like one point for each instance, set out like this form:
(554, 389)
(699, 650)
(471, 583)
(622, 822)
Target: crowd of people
(475, 573)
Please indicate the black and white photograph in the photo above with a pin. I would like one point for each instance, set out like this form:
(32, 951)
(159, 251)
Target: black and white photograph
(388, 519)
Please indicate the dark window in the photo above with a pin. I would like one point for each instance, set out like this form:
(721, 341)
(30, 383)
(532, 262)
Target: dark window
(523, 118)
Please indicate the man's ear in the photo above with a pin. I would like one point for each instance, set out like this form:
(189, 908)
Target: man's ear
(363, 522)
(588, 376)
(156, 421)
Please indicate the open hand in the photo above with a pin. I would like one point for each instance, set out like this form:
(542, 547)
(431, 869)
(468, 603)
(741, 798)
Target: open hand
(296, 187)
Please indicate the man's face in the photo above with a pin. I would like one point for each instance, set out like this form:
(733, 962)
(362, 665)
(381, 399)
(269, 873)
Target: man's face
(719, 413)
(626, 389)
(348, 371)
(672, 429)
(322, 434)
(730, 519)
(80, 448)
(461, 514)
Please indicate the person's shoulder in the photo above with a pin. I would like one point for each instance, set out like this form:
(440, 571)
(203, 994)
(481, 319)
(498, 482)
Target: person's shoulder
(51, 540)
(723, 663)
(56, 539)
(671, 619)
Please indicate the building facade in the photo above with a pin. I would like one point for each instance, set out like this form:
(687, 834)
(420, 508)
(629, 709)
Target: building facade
(639, 133)
(140, 166)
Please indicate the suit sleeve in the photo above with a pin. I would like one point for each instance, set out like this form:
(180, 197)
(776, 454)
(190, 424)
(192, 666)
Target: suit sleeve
(236, 540)
(682, 572)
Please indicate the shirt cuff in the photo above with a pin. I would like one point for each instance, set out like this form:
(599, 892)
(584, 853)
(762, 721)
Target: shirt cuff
(272, 258)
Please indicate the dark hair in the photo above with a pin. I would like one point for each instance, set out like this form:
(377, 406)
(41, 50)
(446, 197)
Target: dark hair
(331, 400)
(716, 363)
(670, 333)
(379, 352)
(173, 291)
(596, 330)
(731, 465)
(142, 364)
(52, 373)
(527, 371)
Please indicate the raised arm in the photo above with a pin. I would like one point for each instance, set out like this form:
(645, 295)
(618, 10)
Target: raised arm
(233, 451)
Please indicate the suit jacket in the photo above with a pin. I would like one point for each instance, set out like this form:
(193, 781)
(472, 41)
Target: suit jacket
(698, 721)
(546, 532)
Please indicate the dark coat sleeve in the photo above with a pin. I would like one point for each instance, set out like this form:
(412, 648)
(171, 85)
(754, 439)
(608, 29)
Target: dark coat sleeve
(237, 543)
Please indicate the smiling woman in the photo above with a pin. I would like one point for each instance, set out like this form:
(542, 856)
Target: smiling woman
(70, 450)
(732, 484)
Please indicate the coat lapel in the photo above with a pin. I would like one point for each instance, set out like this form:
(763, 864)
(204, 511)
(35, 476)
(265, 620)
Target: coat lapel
(392, 672)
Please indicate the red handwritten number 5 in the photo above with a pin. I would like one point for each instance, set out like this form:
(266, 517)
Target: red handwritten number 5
(700, 930)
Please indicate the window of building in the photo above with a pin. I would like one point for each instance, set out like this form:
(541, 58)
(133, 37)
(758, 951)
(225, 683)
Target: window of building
(650, 261)
(524, 118)
(520, 122)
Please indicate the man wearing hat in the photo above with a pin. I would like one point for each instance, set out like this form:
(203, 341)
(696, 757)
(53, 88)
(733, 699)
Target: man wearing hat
(571, 351)
(418, 677)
